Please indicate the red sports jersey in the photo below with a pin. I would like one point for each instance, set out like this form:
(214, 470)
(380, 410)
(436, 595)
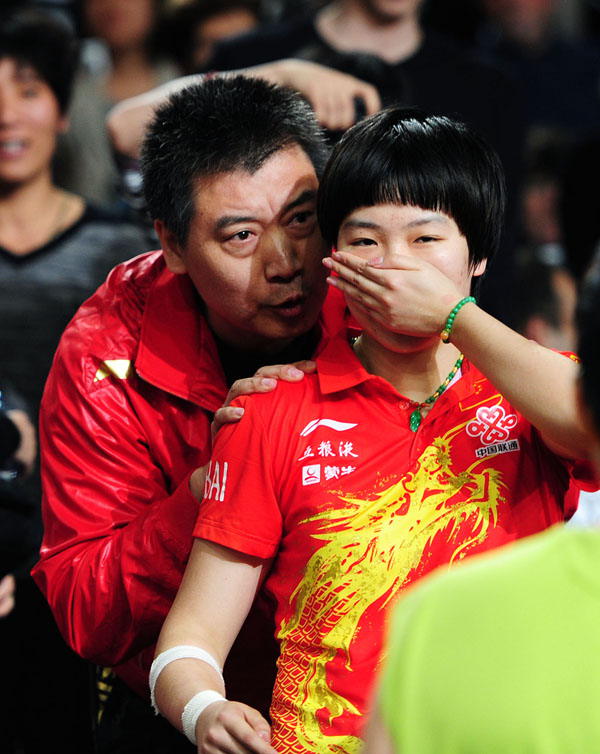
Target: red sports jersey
(325, 476)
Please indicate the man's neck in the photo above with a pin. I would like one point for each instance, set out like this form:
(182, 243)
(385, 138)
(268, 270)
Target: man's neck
(415, 374)
(348, 26)
(238, 363)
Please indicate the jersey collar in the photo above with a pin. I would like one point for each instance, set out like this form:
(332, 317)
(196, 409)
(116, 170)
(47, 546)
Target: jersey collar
(338, 369)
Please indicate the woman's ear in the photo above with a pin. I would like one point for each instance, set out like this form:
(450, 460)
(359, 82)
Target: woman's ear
(480, 268)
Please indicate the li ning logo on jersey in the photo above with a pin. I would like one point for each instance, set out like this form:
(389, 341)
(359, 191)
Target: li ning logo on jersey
(331, 423)
(215, 482)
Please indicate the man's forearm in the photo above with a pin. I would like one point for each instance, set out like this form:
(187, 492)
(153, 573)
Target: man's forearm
(332, 95)
(126, 122)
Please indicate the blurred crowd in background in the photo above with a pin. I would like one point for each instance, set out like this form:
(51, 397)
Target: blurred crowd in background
(542, 112)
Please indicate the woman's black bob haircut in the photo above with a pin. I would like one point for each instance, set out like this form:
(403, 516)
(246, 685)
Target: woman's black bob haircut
(43, 40)
(404, 156)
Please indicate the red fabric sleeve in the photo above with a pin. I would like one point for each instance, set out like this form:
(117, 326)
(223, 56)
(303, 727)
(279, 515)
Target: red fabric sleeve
(116, 538)
(241, 509)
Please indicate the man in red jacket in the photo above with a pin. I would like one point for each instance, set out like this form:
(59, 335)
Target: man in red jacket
(230, 173)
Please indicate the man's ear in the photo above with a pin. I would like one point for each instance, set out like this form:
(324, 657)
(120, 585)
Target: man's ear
(480, 268)
(171, 248)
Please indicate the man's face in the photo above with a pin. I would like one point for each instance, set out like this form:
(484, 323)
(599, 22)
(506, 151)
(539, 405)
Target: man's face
(254, 252)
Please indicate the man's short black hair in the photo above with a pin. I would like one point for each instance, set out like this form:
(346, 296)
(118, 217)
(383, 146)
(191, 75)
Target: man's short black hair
(44, 41)
(588, 322)
(404, 156)
(219, 126)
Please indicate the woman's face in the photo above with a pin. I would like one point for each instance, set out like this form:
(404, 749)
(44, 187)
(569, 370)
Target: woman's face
(120, 23)
(30, 121)
(383, 231)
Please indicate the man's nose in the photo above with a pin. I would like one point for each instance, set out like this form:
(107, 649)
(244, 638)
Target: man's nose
(282, 257)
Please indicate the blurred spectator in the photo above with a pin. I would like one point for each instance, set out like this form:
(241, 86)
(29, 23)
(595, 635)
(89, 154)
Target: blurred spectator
(560, 203)
(55, 249)
(545, 300)
(546, 154)
(560, 77)
(196, 26)
(384, 43)
(120, 59)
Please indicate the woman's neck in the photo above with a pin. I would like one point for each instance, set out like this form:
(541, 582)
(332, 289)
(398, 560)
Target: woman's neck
(348, 27)
(132, 73)
(33, 213)
(415, 374)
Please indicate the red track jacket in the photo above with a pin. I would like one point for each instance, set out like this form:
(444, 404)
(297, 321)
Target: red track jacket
(125, 419)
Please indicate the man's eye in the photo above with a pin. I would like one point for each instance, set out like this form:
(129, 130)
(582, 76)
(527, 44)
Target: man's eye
(301, 217)
(30, 92)
(241, 235)
(425, 239)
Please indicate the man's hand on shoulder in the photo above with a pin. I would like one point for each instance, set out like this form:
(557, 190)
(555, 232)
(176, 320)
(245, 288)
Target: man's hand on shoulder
(263, 381)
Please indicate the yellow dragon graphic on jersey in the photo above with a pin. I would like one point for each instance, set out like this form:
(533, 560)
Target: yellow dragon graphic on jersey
(371, 547)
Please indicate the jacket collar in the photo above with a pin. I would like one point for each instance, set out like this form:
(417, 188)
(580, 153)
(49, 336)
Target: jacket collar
(177, 352)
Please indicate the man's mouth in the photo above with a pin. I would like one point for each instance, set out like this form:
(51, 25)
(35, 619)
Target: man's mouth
(290, 307)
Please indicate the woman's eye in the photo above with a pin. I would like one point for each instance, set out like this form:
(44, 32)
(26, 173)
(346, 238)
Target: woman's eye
(425, 239)
(363, 242)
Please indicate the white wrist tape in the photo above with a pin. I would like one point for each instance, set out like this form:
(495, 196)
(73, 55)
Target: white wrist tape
(194, 708)
(180, 652)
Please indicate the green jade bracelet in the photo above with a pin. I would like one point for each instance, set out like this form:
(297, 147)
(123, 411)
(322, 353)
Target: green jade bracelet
(445, 334)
